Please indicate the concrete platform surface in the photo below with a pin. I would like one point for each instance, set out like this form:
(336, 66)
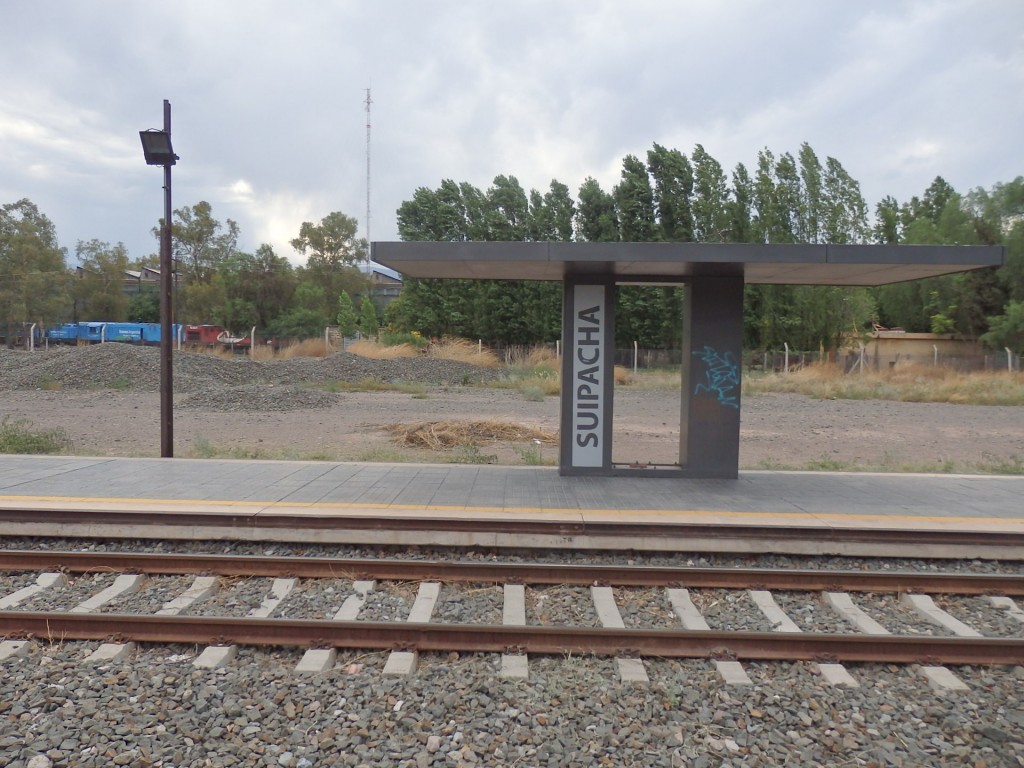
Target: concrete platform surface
(267, 488)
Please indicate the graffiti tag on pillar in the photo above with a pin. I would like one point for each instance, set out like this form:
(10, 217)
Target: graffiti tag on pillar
(721, 377)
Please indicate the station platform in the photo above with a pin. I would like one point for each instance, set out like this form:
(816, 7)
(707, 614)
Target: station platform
(172, 494)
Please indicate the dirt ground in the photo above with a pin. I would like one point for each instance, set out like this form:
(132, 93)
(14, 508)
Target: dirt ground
(777, 431)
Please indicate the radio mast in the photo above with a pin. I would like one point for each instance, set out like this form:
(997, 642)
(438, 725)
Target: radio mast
(368, 102)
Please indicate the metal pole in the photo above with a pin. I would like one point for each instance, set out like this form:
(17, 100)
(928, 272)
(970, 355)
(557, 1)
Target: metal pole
(166, 308)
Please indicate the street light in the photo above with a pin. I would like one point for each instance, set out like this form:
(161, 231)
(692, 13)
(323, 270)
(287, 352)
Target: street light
(156, 146)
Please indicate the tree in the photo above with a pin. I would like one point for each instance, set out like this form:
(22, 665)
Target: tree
(346, 315)
(259, 285)
(33, 273)
(144, 307)
(634, 202)
(368, 325)
(198, 242)
(1007, 329)
(304, 318)
(673, 189)
(711, 221)
(508, 210)
(332, 243)
(99, 288)
(596, 217)
(551, 215)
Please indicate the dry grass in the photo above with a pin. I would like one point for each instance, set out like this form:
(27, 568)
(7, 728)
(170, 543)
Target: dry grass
(532, 357)
(307, 348)
(444, 435)
(908, 383)
(463, 351)
(376, 351)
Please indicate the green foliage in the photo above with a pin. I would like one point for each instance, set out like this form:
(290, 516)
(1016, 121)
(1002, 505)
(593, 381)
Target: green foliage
(20, 437)
(346, 317)
(1007, 329)
(368, 324)
(99, 288)
(331, 244)
(305, 317)
(259, 288)
(33, 275)
(199, 242)
(144, 307)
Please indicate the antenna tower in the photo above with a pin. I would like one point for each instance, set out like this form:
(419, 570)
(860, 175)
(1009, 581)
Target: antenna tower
(368, 102)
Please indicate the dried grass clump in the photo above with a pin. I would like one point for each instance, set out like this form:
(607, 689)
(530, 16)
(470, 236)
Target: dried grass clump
(375, 351)
(306, 348)
(443, 435)
(532, 357)
(463, 351)
(623, 375)
(906, 382)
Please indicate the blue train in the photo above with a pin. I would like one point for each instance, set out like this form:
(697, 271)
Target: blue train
(97, 332)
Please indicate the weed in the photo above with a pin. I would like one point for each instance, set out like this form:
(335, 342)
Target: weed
(19, 437)
(533, 393)
(470, 454)
(202, 448)
(530, 454)
(49, 384)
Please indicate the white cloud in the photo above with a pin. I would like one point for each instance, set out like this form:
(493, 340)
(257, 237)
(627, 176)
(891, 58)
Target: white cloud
(270, 125)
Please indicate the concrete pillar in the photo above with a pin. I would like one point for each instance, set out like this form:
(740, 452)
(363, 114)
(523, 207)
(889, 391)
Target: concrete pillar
(709, 416)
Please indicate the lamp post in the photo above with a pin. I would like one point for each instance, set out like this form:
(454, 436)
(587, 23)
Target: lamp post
(156, 146)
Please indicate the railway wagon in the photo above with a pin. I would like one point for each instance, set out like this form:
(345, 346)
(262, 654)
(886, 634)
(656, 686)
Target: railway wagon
(99, 332)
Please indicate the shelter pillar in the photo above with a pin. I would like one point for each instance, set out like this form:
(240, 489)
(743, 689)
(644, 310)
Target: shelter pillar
(588, 360)
(709, 416)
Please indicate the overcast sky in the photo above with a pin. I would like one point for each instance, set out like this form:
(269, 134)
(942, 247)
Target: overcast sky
(270, 122)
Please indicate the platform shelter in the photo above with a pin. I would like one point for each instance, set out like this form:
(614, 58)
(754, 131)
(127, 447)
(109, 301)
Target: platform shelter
(713, 276)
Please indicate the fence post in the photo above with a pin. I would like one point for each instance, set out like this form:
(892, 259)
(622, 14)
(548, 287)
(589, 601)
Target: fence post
(1009, 359)
(785, 366)
(935, 355)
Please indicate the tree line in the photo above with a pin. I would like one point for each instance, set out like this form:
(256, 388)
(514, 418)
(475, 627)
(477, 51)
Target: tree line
(215, 281)
(674, 197)
(669, 196)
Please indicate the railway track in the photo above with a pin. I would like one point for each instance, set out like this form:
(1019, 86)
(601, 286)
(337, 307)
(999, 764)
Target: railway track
(673, 596)
(392, 527)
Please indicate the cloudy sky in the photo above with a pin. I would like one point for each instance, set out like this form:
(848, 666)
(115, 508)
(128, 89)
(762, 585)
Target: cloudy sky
(270, 123)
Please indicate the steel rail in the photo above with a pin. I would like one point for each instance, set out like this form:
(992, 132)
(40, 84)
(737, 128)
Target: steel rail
(519, 573)
(501, 524)
(663, 643)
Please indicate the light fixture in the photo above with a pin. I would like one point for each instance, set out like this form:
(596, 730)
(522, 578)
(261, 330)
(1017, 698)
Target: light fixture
(156, 146)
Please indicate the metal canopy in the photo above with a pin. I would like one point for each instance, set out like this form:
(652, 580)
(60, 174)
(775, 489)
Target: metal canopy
(638, 262)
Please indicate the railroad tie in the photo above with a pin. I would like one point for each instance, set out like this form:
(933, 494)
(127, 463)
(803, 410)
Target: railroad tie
(939, 678)
(514, 665)
(216, 656)
(403, 663)
(833, 674)
(124, 584)
(631, 670)
(316, 661)
(1007, 604)
(732, 672)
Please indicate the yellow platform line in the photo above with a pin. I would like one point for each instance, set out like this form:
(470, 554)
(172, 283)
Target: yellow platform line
(272, 506)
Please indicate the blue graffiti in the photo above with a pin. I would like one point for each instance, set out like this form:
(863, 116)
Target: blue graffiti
(722, 377)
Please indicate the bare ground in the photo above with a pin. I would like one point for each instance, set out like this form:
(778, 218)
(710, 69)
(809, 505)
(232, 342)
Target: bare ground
(777, 431)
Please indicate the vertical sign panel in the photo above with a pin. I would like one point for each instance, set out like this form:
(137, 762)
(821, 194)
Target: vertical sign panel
(589, 373)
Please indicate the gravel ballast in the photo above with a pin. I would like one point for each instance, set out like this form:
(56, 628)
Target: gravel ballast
(156, 709)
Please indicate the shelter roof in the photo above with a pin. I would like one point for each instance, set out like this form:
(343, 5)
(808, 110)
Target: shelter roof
(667, 262)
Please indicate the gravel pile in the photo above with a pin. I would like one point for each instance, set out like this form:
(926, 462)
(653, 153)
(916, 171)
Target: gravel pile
(127, 367)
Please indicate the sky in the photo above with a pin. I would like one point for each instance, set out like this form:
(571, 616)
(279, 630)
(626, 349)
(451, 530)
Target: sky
(270, 122)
